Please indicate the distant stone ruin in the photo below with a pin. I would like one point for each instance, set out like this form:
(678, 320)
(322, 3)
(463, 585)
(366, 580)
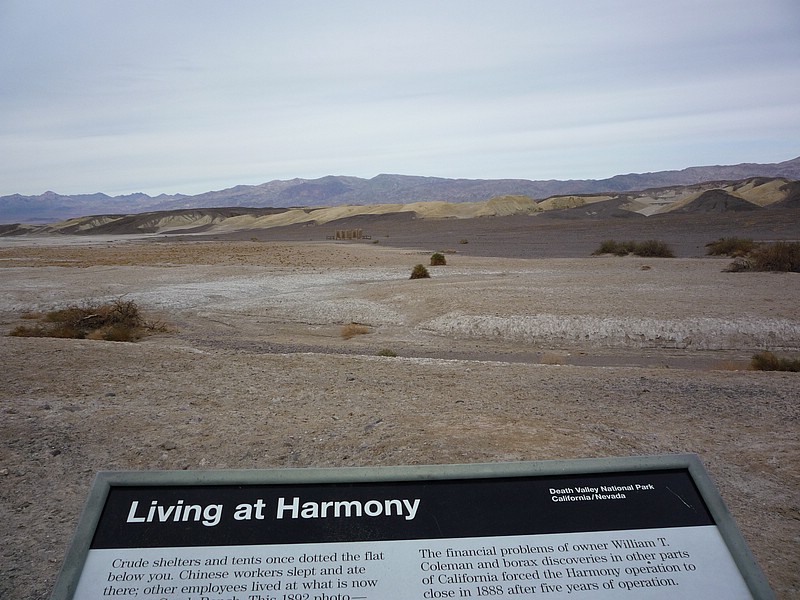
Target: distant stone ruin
(349, 234)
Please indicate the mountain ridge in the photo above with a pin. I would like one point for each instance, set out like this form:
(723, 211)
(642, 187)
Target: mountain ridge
(757, 195)
(384, 188)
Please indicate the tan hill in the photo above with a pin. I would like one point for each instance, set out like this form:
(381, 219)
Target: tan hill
(382, 189)
(753, 194)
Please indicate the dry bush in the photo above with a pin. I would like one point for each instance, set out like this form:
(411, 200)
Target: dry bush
(438, 259)
(28, 331)
(741, 264)
(118, 321)
(648, 249)
(730, 246)
(420, 272)
(767, 361)
(353, 329)
(782, 257)
(732, 365)
(653, 248)
(551, 358)
(610, 247)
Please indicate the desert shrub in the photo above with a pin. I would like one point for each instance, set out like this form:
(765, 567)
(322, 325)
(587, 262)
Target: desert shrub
(730, 246)
(438, 259)
(653, 248)
(649, 248)
(28, 331)
(115, 333)
(767, 361)
(780, 256)
(387, 352)
(552, 358)
(732, 365)
(609, 247)
(120, 320)
(420, 272)
(740, 265)
(463, 241)
(353, 329)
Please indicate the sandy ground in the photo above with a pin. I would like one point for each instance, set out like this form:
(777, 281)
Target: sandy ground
(498, 359)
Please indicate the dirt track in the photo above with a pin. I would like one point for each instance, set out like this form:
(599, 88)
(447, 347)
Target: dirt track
(498, 359)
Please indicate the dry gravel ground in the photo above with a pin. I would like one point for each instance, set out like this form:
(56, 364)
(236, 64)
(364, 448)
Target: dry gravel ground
(498, 359)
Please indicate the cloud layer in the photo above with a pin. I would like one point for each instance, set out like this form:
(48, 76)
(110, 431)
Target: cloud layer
(191, 95)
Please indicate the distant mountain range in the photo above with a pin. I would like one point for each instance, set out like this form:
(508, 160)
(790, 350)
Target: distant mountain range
(333, 190)
(764, 199)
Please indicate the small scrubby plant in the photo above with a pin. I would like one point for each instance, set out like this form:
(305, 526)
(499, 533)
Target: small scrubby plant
(353, 329)
(118, 321)
(767, 361)
(438, 259)
(781, 257)
(387, 352)
(730, 246)
(653, 249)
(740, 265)
(420, 272)
(610, 247)
(649, 249)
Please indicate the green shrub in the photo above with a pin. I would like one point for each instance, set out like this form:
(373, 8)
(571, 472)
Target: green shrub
(653, 248)
(767, 361)
(387, 352)
(438, 259)
(649, 249)
(731, 246)
(420, 272)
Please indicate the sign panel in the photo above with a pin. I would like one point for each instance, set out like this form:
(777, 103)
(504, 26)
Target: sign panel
(596, 529)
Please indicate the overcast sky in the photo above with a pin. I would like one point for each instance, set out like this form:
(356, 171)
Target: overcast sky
(187, 96)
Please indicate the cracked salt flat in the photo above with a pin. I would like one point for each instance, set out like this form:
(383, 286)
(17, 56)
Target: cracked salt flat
(690, 333)
(308, 297)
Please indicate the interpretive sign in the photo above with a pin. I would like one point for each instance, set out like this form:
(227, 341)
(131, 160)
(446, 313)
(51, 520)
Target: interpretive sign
(650, 527)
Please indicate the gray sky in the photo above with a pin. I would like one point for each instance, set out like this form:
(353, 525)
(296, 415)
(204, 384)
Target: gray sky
(188, 96)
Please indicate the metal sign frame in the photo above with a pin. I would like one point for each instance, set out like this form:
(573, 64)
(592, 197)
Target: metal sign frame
(106, 481)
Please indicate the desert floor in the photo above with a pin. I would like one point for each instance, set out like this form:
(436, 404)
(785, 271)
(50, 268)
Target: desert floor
(498, 358)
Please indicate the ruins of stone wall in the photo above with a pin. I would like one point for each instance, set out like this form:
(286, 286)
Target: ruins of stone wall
(349, 234)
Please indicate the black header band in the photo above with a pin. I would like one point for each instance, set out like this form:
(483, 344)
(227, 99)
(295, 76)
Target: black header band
(212, 515)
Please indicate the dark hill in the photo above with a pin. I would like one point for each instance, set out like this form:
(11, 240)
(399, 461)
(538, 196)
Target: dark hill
(608, 209)
(717, 201)
(792, 199)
